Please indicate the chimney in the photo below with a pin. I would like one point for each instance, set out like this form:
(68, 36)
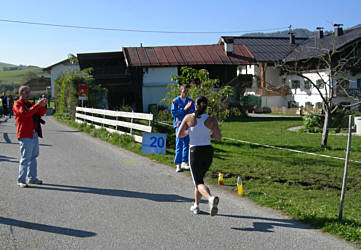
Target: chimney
(338, 29)
(319, 32)
(228, 45)
(292, 35)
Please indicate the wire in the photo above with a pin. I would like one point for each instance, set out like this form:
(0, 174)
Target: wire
(136, 30)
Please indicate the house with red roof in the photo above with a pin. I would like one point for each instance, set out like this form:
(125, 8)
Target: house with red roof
(139, 76)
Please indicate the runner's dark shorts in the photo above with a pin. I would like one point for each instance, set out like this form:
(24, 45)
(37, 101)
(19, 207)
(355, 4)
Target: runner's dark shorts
(200, 158)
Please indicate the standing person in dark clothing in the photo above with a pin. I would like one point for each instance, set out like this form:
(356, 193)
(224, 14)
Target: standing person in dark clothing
(10, 105)
(27, 120)
(5, 101)
(200, 127)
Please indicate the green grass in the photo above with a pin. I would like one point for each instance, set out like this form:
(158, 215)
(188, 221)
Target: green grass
(16, 76)
(304, 187)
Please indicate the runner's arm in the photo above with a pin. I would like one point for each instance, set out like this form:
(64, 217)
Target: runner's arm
(212, 124)
(182, 131)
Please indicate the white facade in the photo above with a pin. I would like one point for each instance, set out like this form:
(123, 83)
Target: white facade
(155, 82)
(57, 69)
(301, 95)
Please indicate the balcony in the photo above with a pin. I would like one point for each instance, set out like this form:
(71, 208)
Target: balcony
(345, 92)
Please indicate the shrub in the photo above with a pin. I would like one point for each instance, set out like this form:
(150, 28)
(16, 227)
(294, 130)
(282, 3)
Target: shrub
(313, 122)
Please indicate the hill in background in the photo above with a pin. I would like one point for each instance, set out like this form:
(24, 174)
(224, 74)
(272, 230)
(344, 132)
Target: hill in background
(3, 65)
(19, 75)
(12, 76)
(298, 33)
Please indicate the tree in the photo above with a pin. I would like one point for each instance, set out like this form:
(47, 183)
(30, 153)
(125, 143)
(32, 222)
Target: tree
(66, 91)
(200, 84)
(332, 64)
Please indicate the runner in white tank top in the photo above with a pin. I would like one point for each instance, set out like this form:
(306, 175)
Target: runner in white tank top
(200, 127)
(200, 135)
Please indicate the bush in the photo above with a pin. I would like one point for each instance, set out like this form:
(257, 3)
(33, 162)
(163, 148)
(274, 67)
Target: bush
(313, 122)
(164, 116)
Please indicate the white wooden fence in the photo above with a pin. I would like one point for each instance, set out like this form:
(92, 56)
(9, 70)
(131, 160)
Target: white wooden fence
(86, 115)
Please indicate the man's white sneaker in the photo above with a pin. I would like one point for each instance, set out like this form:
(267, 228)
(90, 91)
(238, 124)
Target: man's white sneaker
(213, 203)
(178, 169)
(185, 165)
(195, 209)
(22, 185)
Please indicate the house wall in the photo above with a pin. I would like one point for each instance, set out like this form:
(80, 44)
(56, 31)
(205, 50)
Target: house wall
(274, 101)
(155, 82)
(302, 95)
(352, 79)
(58, 69)
(249, 69)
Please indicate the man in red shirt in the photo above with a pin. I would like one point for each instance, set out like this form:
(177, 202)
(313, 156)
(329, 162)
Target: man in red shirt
(27, 120)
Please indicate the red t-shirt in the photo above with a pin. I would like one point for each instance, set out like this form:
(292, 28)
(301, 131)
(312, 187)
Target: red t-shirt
(24, 112)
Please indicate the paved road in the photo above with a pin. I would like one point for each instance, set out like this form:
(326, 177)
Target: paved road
(97, 196)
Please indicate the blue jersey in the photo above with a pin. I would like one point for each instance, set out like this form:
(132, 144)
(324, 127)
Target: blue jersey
(178, 112)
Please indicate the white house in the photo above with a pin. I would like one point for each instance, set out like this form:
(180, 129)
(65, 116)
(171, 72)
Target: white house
(155, 82)
(279, 89)
(65, 66)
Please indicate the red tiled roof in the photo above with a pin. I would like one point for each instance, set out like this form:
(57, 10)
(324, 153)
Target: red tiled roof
(186, 55)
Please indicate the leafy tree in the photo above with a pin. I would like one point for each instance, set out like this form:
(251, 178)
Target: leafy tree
(200, 84)
(66, 92)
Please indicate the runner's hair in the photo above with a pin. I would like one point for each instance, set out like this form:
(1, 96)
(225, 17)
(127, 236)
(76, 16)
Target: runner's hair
(201, 106)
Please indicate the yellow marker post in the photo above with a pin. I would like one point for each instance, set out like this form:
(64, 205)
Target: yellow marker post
(220, 178)
(239, 186)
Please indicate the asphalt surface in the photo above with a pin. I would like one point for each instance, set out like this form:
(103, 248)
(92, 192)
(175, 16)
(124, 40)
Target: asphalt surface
(97, 196)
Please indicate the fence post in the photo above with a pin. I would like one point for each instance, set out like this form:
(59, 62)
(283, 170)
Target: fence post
(103, 118)
(131, 121)
(346, 167)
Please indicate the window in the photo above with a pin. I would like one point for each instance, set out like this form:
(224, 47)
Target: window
(358, 83)
(343, 83)
(294, 84)
(308, 84)
(308, 104)
(319, 105)
(320, 84)
(293, 104)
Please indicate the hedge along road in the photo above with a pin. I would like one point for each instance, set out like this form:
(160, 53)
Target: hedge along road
(99, 196)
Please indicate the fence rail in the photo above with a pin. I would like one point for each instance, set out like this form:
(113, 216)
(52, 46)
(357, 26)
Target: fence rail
(86, 115)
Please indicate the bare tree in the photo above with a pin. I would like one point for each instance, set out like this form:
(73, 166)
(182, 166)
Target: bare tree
(332, 65)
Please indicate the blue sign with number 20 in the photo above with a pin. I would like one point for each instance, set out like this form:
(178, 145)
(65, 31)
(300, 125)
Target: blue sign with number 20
(153, 143)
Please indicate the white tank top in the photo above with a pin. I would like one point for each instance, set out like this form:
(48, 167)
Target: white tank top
(200, 135)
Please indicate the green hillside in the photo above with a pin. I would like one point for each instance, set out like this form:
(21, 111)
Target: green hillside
(2, 65)
(18, 77)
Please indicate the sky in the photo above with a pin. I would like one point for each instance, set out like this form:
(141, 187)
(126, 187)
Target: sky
(46, 45)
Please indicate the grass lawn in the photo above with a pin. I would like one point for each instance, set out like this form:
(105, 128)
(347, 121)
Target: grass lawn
(16, 76)
(304, 187)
